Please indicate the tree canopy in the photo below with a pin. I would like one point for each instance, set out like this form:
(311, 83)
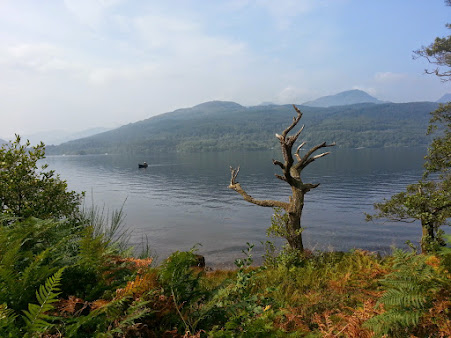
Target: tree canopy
(28, 190)
(429, 200)
(438, 53)
(439, 153)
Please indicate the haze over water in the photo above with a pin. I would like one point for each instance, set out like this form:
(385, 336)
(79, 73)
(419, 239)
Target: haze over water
(183, 199)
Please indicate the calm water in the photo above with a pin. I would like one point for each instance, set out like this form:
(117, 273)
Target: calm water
(183, 199)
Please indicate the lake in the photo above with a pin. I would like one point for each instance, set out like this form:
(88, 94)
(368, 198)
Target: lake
(183, 199)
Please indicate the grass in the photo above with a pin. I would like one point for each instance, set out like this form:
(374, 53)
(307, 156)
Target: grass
(105, 292)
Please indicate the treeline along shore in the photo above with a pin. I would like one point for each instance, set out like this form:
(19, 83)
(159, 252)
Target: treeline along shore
(223, 126)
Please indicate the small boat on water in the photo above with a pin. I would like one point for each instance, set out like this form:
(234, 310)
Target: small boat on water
(143, 165)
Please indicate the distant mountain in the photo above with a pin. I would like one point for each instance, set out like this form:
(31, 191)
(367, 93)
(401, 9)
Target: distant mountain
(2, 141)
(220, 126)
(344, 98)
(445, 98)
(56, 137)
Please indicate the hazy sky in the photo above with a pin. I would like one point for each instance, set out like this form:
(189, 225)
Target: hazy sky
(78, 64)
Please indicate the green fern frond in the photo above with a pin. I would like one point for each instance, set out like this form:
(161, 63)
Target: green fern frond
(36, 270)
(393, 322)
(7, 317)
(136, 311)
(410, 291)
(109, 313)
(404, 298)
(7, 262)
(35, 318)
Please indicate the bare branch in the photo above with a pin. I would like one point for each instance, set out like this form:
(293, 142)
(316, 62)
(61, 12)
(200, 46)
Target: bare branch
(297, 110)
(293, 138)
(234, 185)
(297, 150)
(280, 164)
(262, 203)
(280, 177)
(292, 175)
(234, 174)
(321, 155)
(306, 159)
(293, 124)
(309, 186)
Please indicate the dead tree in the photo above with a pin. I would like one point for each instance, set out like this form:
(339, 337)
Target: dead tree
(291, 174)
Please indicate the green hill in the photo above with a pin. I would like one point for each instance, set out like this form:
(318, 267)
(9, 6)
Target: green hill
(219, 126)
(343, 99)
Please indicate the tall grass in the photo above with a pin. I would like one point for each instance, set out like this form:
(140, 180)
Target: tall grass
(108, 225)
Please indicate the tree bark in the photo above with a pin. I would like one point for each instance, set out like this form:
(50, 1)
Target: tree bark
(291, 173)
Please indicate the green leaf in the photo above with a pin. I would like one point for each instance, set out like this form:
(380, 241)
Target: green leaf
(35, 317)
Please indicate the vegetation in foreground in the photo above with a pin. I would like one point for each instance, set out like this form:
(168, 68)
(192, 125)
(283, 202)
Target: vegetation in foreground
(69, 274)
(83, 285)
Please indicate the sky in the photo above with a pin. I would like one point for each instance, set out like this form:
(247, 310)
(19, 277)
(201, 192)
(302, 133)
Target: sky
(78, 64)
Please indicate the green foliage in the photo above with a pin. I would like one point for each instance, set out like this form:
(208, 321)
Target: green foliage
(179, 278)
(113, 319)
(439, 152)
(181, 282)
(313, 294)
(25, 192)
(101, 239)
(279, 221)
(36, 317)
(427, 201)
(223, 126)
(439, 53)
(244, 312)
(107, 226)
(30, 251)
(410, 291)
(7, 321)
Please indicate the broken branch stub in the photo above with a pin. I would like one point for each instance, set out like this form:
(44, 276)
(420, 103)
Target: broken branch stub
(291, 173)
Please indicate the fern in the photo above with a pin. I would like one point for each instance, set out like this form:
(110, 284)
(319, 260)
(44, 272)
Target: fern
(7, 318)
(111, 319)
(135, 311)
(410, 290)
(7, 273)
(26, 261)
(35, 318)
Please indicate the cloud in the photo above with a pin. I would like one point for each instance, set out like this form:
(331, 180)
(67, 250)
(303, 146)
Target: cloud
(370, 90)
(93, 62)
(285, 12)
(38, 57)
(389, 77)
(90, 12)
(292, 94)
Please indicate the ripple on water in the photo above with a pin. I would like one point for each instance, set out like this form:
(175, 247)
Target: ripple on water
(180, 200)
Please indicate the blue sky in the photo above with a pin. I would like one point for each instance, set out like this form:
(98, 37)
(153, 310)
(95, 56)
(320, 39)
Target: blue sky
(78, 64)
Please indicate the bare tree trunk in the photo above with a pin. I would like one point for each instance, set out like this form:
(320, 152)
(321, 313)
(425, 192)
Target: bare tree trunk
(291, 174)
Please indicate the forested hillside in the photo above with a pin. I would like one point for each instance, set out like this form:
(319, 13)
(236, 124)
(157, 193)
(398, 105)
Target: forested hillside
(219, 126)
(343, 99)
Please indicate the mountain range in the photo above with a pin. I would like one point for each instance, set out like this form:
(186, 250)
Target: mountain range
(445, 98)
(343, 99)
(56, 137)
(222, 125)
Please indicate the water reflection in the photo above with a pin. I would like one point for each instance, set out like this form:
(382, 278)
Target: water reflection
(183, 199)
